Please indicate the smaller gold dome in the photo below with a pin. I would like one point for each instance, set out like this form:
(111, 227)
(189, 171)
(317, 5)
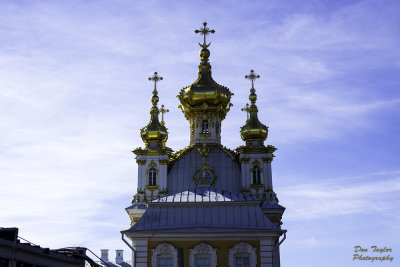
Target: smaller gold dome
(154, 134)
(253, 130)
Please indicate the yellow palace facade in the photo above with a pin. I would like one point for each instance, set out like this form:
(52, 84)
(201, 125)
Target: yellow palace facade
(205, 205)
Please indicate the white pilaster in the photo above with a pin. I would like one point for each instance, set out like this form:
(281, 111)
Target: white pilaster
(141, 247)
(266, 252)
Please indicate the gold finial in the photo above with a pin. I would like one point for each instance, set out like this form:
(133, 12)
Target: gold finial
(253, 129)
(154, 134)
(155, 78)
(247, 110)
(204, 31)
(162, 111)
(252, 76)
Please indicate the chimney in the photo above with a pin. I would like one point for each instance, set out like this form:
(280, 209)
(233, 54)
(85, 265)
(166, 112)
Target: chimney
(104, 255)
(119, 256)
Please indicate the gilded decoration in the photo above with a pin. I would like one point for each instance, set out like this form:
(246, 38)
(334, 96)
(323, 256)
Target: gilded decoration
(192, 129)
(147, 152)
(267, 160)
(180, 153)
(155, 134)
(245, 190)
(244, 160)
(163, 161)
(253, 130)
(228, 151)
(257, 187)
(249, 150)
(163, 191)
(141, 161)
(205, 175)
(152, 188)
(271, 149)
(205, 135)
(205, 95)
(204, 150)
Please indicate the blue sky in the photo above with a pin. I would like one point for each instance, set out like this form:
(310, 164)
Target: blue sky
(74, 94)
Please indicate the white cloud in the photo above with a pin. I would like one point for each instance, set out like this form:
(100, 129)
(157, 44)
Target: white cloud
(369, 194)
(74, 92)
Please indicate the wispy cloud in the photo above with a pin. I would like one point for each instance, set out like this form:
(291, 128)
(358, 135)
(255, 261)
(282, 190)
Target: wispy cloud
(74, 92)
(371, 194)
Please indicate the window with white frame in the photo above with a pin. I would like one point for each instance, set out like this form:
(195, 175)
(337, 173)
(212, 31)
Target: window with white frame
(203, 255)
(242, 260)
(202, 260)
(242, 255)
(152, 176)
(164, 261)
(164, 255)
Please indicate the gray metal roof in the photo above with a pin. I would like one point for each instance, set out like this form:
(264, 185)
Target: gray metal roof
(217, 217)
(204, 194)
(268, 204)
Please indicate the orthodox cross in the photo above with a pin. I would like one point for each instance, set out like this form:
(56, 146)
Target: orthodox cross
(162, 111)
(155, 78)
(252, 76)
(246, 109)
(204, 31)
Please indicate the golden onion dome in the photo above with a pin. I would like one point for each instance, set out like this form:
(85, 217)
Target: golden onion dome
(155, 134)
(205, 92)
(253, 130)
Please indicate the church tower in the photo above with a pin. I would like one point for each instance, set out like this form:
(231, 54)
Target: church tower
(205, 205)
(205, 103)
(153, 159)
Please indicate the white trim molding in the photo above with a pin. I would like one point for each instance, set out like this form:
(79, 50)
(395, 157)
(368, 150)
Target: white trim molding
(203, 249)
(164, 249)
(243, 249)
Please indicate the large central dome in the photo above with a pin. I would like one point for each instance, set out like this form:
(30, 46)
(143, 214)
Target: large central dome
(205, 93)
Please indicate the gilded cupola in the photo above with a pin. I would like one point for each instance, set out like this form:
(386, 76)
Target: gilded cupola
(253, 132)
(205, 103)
(205, 93)
(155, 134)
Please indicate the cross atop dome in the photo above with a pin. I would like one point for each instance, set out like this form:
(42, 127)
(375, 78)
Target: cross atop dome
(155, 78)
(252, 76)
(204, 31)
(205, 103)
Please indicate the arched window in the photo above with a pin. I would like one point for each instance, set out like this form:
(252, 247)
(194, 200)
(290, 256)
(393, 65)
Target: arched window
(204, 126)
(152, 176)
(256, 173)
(202, 260)
(242, 255)
(203, 255)
(164, 255)
(164, 261)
